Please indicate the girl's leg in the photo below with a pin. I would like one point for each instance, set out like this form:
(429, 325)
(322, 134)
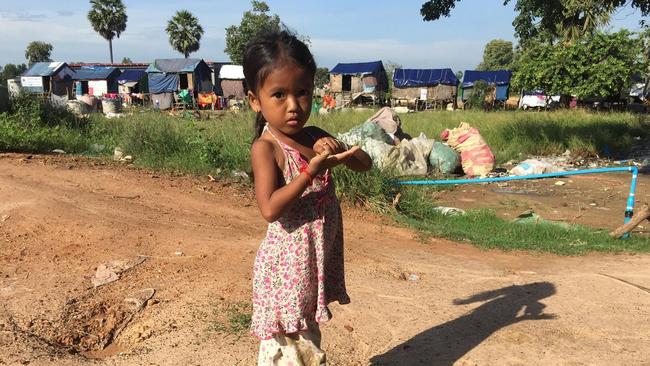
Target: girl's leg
(296, 349)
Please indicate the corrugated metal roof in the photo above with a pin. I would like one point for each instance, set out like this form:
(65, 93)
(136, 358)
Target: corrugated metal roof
(177, 65)
(96, 73)
(44, 68)
(138, 65)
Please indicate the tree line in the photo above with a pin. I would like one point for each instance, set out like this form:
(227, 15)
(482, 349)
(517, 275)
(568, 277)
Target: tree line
(563, 48)
(561, 44)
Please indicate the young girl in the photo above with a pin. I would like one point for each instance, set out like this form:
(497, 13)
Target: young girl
(298, 270)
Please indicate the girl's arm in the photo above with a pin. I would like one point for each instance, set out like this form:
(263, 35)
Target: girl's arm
(271, 200)
(274, 201)
(359, 161)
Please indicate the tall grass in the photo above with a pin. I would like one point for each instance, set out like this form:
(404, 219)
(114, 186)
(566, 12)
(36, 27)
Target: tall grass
(161, 141)
(516, 135)
(222, 144)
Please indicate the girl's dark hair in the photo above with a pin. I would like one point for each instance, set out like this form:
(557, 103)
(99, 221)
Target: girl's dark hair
(266, 52)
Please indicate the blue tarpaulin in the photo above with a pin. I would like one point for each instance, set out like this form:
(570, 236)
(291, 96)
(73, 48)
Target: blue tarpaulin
(178, 65)
(406, 78)
(502, 92)
(96, 73)
(163, 83)
(130, 75)
(202, 79)
(500, 77)
(358, 68)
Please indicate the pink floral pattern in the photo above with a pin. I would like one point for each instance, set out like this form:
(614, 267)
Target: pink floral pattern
(298, 269)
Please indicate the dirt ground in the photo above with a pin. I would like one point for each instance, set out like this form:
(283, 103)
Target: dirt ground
(413, 302)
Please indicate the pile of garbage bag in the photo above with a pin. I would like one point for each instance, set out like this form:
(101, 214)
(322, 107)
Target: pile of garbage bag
(391, 149)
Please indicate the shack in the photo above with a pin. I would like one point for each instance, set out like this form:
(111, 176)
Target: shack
(169, 76)
(133, 81)
(231, 80)
(48, 78)
(498, 82)
(424, 88)
(359, 83)
(133, 85)
(96, 81)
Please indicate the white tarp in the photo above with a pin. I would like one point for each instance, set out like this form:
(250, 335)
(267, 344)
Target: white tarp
(14, 86)
(97, 87)
(231, 72)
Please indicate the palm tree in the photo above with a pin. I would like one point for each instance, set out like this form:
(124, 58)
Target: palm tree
(583, 18)
(184, 32)
(108, 18)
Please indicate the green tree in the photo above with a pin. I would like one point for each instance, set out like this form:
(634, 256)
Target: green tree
(38, 51)
(252, 23)
(108, 18)
(10, 71)
(390, 67)
(550, 20)
(126, 60)
(459, 75)
(184, 32)
(497, 55)
(600, 65)
(321, 77)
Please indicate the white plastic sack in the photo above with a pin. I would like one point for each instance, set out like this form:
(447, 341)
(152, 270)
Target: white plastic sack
(410, 157)
(377, 150)
(358, 134)
(534, 166)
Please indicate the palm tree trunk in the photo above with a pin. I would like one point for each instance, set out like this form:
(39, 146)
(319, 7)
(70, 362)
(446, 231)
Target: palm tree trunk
(110, 46)
(187, 55)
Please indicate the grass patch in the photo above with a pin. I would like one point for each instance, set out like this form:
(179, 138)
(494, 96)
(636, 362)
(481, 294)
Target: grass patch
(221, 145)
(484, 229)
(232, 318)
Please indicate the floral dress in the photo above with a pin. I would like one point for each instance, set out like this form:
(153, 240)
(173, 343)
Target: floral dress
(298, 269)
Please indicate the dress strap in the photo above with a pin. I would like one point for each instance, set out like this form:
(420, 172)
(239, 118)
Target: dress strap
(282, 144)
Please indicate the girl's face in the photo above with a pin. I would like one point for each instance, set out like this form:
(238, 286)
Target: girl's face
(285, 98)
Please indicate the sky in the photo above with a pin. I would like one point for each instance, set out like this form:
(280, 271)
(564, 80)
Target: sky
(339, 30)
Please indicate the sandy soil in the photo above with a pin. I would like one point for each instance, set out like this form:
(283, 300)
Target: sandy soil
(413, 302)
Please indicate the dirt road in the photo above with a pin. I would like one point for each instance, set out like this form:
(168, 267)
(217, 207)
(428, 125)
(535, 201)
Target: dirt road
(413, 302)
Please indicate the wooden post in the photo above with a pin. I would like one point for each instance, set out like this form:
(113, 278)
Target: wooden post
(641, 215)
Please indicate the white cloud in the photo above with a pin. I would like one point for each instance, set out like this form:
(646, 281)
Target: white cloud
(22, 16)
(75, 41)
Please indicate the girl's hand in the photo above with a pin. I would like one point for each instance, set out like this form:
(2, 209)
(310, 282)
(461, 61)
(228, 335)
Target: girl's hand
(335, 146)
(327, 160)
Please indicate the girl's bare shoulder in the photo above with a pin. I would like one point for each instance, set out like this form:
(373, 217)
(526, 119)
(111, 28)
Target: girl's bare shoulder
(262, 145)
(266, 149)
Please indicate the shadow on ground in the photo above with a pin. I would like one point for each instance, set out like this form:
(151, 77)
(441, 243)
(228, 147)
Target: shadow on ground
(448, 342)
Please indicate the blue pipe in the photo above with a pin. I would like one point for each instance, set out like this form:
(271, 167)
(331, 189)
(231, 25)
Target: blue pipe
(629, 209)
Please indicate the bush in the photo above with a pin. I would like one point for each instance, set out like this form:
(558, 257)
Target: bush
(34, 111)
